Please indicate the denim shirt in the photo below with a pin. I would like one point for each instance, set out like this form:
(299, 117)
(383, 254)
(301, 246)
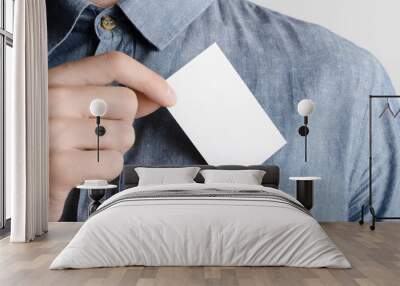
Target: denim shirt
(282, 60)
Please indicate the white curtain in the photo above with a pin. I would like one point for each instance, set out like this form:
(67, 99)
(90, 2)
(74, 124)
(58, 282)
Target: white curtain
(27, 124)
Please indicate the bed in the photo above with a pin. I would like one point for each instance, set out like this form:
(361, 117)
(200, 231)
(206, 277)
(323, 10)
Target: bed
(201, 224)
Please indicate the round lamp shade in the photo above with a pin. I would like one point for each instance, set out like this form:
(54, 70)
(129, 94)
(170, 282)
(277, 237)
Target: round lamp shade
(305, 107)
(98, 107)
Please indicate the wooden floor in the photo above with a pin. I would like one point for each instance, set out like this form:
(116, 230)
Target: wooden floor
(375, 257)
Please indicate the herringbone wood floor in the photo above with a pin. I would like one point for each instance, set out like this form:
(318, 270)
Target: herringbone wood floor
(375, 257)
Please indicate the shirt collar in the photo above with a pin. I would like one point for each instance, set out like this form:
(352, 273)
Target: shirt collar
(159, 21)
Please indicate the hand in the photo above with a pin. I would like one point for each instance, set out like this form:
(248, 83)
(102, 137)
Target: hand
(72, 86)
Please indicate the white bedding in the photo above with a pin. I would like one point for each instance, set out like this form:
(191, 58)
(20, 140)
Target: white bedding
(185, 231)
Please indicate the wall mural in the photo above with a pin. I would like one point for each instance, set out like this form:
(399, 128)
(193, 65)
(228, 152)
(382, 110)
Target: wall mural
(110, 103)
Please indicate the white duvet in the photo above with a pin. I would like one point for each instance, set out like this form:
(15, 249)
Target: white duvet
(200, 231)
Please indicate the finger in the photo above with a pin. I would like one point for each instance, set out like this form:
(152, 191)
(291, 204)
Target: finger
(145, 105)
(110, 67)
(74, 101)
(80, 134)
(72, 167)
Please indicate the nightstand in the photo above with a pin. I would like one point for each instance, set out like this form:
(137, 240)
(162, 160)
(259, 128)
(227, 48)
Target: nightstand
(96, 193)
(304, 190)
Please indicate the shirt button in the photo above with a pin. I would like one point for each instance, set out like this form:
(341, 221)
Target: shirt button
(108, 23)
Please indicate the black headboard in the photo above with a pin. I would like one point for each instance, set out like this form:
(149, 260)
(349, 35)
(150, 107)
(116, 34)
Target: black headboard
(130, 178)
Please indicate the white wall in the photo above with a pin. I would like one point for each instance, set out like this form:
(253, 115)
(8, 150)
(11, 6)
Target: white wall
(371, 24)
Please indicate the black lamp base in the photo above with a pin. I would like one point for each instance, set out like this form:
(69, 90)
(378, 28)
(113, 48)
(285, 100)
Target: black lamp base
(100, 130)
(303, 131)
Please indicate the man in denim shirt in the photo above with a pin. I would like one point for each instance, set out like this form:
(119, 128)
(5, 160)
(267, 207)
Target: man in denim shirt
(282, 60)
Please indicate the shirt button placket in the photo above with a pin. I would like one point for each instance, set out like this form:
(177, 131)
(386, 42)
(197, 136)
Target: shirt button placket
(105, 28)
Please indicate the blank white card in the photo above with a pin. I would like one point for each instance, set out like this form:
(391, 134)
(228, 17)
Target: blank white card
(220, 115)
